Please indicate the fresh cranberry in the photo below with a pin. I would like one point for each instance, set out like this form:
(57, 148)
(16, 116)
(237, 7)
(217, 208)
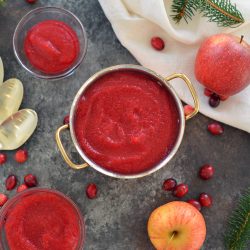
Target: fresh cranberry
(157, 43)
(169, 184)
(22, 188)
(214, 100)
(30, 180)
(205, 200)
(206, 172)
(223, 98)
(188, 109)
(66, 120)
(195, 203)
(10, 182)
(180, 190)
(215, 128)
(91, 190)
(3, 199)
(21, 155)
(30, 1)
(207, 92)
(3, 158)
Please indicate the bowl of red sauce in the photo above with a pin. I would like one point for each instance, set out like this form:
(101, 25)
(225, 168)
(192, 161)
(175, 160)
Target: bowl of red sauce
(127, 121)
(41, 218)
(50, 42)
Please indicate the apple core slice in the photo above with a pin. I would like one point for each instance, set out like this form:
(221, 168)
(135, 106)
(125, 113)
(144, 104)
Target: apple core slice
(176, 225)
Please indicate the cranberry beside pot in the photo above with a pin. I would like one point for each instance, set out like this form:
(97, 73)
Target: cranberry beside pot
(164, 82)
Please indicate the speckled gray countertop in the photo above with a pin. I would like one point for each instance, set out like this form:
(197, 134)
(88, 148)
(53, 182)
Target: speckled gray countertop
(117, 219)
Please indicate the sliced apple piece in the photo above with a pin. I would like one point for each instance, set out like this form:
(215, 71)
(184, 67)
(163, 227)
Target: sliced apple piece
(176, 225)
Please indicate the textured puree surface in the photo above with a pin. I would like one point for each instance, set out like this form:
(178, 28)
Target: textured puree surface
(42, 221)
(126, 122)
(117, 218)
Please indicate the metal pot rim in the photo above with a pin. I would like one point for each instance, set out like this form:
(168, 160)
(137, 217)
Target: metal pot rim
(164, 83)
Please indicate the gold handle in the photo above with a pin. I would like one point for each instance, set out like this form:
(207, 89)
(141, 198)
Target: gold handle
(63, 152)
(192, 91)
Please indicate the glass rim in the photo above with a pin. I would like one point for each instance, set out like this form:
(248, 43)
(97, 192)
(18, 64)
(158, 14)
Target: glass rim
(47, 76)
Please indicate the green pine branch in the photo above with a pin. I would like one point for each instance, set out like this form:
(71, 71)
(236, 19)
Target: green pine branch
(238, 233)
(223, 12)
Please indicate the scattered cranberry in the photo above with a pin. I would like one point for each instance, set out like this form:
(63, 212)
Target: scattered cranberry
(30, 1)
(205, 200)
(3, 158)
(215, 128)
(180, 190)
(195, 203)
(188, 110)
(66, 120)
(169, 184)
(206, 172)
(21, 155)
(22, 188)
(91, 190)
(207, 92)
(157, 43)
(30, 180)
(10, 182)
(3, 199)
(214, 100)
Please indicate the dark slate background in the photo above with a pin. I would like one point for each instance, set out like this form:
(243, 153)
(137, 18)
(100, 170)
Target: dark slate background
(117, 219)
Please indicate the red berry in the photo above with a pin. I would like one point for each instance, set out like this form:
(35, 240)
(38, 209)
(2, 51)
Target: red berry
(91, 190)
(214, 100)
(188, 110)
(223, 98)
(207, 92)
(21, 155)
(30, 180)
(10, 182)
(66, 120)
(180, 190)
(195, 203)
(22, 188)
(3, 158)
(30, 1)
(206, 172)
(215, 128)
(169, 184)
(205, 200)
(3, 199)
(157, 43)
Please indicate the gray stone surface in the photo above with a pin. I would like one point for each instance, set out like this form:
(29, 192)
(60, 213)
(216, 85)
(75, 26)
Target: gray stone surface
(117, 219)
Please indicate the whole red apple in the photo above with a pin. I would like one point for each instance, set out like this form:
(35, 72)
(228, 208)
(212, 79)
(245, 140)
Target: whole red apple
(223, 64)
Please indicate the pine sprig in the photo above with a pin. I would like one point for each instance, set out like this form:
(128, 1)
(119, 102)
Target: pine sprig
(238, 234)
(184, 9)
(223, 12)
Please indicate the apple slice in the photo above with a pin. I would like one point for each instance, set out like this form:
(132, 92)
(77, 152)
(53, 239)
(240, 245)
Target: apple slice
(1, 71)
(176, 225)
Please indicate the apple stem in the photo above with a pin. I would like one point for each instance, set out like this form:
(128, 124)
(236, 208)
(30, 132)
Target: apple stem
(241, 38)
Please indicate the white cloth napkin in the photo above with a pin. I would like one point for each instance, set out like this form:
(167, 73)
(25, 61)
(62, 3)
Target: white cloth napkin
(135, 22)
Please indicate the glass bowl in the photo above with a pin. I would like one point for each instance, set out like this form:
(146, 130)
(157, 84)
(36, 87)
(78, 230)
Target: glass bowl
(17, 199)
(41, 14)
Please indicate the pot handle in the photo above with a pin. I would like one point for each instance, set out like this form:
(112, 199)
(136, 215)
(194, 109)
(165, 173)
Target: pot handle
(63, 152)
(192, 91)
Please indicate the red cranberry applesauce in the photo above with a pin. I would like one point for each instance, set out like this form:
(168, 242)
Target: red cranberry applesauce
(43, 220)
(126, 122)
(51, 46)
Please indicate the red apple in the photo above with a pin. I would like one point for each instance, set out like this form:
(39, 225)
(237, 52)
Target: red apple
(223, 64)
(176, 225)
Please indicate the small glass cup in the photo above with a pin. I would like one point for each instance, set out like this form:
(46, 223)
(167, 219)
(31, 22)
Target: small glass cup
(34, 191)
(41, 14)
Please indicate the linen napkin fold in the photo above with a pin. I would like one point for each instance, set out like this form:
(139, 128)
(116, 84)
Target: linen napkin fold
(135, 22)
